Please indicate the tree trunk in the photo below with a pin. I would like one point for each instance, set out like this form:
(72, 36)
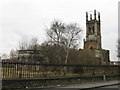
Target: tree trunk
(66, 61)
(66, 58)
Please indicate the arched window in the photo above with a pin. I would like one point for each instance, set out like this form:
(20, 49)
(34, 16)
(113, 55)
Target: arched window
(98, 32)
(93, 31)
(89, 30)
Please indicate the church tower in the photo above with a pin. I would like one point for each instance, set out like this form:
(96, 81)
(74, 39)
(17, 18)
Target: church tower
(93, 31)
(93, 52)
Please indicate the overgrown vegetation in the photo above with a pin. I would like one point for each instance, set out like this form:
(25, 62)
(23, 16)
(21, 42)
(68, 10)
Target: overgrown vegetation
(61, 46)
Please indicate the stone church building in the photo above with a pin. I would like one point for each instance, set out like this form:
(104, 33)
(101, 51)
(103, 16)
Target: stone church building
(92, 42)
(92, 52)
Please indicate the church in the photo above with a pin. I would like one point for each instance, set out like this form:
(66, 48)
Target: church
(92, 52)
(92, 42)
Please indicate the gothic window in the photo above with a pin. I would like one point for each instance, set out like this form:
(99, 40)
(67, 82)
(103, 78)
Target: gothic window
(89, 30)
(93, 31)
(98, 31)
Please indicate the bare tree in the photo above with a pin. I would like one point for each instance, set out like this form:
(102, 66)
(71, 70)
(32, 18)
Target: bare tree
(26, 44)
(71, 38)
(13, 54)
(33, 43)
(55, 35)
(62, 35)
(23, 43)
(4, 56)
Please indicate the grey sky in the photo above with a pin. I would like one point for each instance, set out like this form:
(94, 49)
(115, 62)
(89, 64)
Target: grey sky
(19, 18)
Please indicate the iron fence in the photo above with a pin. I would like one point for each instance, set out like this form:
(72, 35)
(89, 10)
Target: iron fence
(16, 70)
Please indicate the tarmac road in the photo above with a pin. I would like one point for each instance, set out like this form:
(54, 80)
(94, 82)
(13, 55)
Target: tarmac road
(113, 87)
(105, 85)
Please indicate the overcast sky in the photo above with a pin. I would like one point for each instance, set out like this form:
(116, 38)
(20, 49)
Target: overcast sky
(29, 18)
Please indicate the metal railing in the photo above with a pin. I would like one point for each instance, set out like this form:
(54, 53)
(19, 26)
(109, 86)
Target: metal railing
(16, 70)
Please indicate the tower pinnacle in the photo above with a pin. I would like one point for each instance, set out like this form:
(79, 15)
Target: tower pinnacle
(95, 14)
(86, 16)
(90, 16)
(99, 17)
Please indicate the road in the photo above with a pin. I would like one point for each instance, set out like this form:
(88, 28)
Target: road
(109, 85)
(113, 87)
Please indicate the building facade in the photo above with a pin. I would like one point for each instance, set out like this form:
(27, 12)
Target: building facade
(32, 56)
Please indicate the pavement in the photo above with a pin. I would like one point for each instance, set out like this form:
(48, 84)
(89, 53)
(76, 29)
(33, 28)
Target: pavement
(92, 84)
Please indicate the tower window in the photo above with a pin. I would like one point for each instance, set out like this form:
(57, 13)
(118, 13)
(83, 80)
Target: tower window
(89, 30)
(93, 30)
